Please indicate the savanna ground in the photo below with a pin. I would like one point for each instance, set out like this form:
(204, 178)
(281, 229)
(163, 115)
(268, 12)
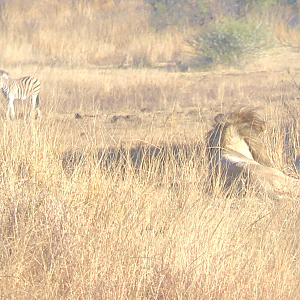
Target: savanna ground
(103, 230)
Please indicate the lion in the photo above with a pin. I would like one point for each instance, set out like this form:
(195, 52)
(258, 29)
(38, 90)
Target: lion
(238, 157)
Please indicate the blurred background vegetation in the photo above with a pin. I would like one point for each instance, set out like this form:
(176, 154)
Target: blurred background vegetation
(181, 34)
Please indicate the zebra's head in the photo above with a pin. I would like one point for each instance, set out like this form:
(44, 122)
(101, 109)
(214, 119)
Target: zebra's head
(3, 74)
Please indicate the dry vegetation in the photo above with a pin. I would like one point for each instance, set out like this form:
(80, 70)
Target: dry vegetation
(99, 228)
(100, 33)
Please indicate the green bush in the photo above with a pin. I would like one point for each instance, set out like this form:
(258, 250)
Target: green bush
(230, 42)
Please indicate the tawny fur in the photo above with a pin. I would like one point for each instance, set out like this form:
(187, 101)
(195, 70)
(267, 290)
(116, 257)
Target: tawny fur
(237, 154)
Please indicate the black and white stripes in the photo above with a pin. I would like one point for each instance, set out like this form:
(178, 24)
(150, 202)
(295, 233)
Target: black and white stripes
(22, 88)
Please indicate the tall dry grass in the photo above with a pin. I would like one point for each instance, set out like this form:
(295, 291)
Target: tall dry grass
(112, 232)
(77, 33)
(102, 229)
(96, 235)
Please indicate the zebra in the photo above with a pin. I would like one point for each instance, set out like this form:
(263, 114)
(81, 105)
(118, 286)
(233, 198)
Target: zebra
(22, 88)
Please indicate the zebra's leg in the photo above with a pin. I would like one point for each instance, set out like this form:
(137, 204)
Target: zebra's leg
(10, 111)
(35, 106)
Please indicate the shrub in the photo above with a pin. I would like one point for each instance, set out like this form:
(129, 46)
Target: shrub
(230, 42)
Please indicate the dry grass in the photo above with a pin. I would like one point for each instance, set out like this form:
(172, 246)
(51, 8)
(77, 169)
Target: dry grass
(100, 229)
(104, 33)
(115, 233)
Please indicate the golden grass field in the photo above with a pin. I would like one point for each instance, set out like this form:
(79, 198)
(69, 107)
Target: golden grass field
(100, 229)
(114, 233)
